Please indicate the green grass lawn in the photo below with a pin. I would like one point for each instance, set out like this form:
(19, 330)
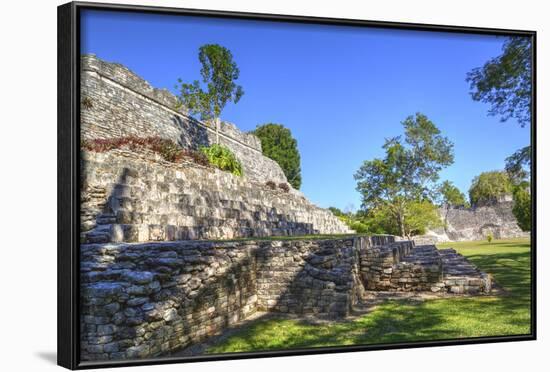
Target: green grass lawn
(398, 321)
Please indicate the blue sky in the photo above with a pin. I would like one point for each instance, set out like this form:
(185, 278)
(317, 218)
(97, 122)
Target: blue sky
(341, 90)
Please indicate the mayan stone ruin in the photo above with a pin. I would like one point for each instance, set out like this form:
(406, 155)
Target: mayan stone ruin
(159, 271)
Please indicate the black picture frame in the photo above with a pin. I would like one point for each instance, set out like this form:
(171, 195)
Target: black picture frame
(68, 149)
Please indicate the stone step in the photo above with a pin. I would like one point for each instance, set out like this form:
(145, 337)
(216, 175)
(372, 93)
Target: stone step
(425, 266)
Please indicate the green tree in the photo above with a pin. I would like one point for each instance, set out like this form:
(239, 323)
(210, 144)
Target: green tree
(421, 216)
(489, 186)
(505, 81)
(407, 175)
(219, 73)
(518, 165)
(336, 211)
(279, 145)
(522, 208)
(451, 195)
(355, 221)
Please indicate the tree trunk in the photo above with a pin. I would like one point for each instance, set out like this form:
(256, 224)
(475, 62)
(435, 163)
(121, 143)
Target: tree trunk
(217, 122)
(402, 224)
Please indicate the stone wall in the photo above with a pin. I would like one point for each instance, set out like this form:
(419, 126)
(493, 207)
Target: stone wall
(131, 197)
(402, 266)
(462, 224)
(143, 300)
(477, 223)
(116, 102)
(148, 299)
(308, 277)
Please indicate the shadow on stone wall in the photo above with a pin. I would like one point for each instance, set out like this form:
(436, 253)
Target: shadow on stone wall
(127, 215)
(144, 300)
(193, 135)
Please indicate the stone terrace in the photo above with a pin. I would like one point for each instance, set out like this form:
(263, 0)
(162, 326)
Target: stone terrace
(147, 299)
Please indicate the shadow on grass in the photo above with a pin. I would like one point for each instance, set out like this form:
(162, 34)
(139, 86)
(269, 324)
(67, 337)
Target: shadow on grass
(405, 321)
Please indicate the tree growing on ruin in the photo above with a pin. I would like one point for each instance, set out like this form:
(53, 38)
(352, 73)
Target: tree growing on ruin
(279, 144)
(451, 196)
(488, 187)
(404, 182)
(218, 87)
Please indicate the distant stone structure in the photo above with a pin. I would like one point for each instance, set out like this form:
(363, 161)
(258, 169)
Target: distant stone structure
(476, 223)
(150, 299)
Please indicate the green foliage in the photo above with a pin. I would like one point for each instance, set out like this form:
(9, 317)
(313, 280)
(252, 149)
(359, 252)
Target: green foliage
(358, 222)
(222, 158)
(522, 207)
(489, 186)
(518, 165)
(406, 177)
(336, 211)
(420, 216)
(489, 237)
(451, 195)
(279, 145)
(219, 73)
(505, 81)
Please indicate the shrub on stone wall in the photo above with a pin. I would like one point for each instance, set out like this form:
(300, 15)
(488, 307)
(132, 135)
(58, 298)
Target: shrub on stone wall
(283, 186)
(166, 148)
(271, 185)
(221, 157)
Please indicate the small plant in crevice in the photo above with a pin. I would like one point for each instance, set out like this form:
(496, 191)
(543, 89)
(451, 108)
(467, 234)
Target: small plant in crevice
(271, 185)
(221, 157)
(87, 103)
(489, 237)
(284, 186)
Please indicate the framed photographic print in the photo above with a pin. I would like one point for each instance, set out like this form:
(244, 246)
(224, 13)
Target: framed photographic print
(236, 185)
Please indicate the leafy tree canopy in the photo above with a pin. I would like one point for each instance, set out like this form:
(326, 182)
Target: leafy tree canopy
(522, 208)
(451, 195)
(505, 81)
(408, 173)
(518, 165)
(489, 186)
(219, 73)
(279, 145)
(336, 211)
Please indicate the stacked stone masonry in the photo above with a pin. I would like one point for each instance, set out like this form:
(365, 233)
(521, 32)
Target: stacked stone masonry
(130, 197)
(116, 103)
(402, 266)
(149, 299)
(464, 224)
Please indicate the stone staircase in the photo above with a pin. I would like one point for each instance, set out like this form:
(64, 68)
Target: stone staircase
(404, 267)
(461, 276)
